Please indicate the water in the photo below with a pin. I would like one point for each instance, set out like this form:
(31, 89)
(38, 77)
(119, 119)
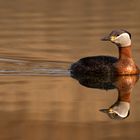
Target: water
(38, 42)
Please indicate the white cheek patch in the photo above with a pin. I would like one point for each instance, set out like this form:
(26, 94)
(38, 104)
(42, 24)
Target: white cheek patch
(123, 39)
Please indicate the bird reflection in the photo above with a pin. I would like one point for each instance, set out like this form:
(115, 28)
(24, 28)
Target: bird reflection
(124, 84)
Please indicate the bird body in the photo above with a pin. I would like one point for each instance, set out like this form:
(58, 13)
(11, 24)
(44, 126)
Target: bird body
(94, 65)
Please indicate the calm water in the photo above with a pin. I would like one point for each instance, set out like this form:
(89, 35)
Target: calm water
(38, 42)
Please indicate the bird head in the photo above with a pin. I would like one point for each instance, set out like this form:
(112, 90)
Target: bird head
(121, 38)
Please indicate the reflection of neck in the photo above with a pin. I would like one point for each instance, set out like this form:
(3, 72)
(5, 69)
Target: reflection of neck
(124, 96)
(125, 52)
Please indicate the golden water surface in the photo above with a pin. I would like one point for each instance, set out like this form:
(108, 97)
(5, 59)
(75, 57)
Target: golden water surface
(39, 39)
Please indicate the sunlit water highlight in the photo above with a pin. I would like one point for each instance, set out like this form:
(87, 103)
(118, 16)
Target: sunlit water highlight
(21, 67)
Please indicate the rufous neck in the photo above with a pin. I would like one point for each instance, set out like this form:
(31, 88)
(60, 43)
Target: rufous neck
(125, 52)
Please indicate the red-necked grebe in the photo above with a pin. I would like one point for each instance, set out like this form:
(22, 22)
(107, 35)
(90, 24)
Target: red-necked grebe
(108, 65)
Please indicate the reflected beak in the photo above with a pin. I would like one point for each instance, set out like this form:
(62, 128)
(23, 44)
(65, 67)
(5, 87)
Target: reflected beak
(108, 111)
(104, 110)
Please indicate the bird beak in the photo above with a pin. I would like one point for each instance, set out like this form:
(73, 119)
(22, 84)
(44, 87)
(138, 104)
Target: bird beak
(106, 38)
(109, 38)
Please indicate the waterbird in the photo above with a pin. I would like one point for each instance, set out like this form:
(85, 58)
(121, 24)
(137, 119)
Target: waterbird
(109, 65)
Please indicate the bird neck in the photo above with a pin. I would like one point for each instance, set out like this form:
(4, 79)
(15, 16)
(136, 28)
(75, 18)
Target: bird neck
(125, 52)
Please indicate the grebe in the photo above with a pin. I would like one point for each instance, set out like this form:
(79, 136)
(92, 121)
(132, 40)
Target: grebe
(108, 65)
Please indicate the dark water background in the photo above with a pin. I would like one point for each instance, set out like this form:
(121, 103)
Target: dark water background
(38, 42)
